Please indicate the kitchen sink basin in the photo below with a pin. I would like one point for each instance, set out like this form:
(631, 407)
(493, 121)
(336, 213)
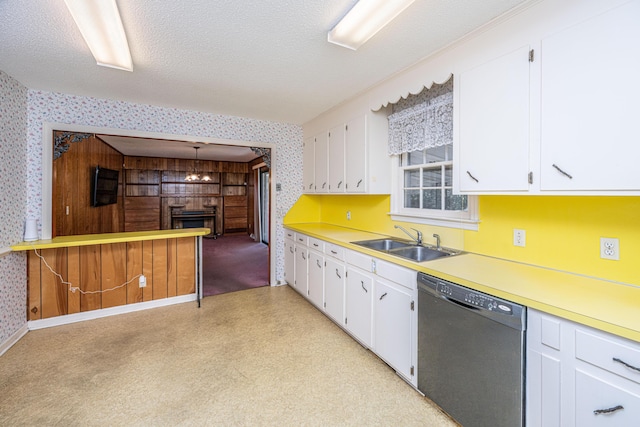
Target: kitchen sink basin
(406, 249)
(420, 253)
(385, 244)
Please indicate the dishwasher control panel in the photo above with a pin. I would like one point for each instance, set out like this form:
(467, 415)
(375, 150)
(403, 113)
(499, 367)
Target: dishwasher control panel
(465, 296)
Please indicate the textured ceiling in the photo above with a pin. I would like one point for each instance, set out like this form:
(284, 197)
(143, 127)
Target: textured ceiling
(260, 59)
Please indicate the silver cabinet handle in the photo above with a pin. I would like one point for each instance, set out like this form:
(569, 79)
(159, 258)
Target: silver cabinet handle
(383, 295)
(339, 184)
(472, 177)
(608, 410)
(615, 359)
(358, 184)
(318, 264)
(338, 274)
(362, 283)
(561, 171)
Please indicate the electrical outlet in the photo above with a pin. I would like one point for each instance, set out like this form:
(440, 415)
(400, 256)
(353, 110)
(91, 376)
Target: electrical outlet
(609, 248)
(519, 237)
(143, 281)
(348, 215)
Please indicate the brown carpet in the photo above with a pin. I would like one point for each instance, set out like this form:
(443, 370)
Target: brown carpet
(233, 262)
(260, 357)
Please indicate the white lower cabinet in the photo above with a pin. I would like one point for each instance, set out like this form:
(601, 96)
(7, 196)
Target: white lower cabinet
(289, 261)
(358, 298)
(301, 280)
(334, 280)
(315, 287)
(392, 326)
(579, 376)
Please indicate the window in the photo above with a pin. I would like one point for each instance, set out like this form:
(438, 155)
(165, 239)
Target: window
(421, 130)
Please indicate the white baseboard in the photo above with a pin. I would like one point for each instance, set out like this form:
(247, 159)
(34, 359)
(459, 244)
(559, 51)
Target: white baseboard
(13, 339)
(105, 312)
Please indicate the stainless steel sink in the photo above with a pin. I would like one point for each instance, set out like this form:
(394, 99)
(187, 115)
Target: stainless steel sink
(420, 253)
(406, 249)
(384, 244)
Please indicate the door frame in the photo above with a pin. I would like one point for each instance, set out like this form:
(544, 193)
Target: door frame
(48, 128)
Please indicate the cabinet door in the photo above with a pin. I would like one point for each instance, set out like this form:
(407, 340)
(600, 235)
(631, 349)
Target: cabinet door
(601, 402)
(289, 261)
(316, 279)
(334, 279)
(358, 296)
(308, 164)
(543, 390)
(356, 155)
(301, 269)
(336, 159)
(494, 124)
(590, 92)
(321, 153)
(393, 332)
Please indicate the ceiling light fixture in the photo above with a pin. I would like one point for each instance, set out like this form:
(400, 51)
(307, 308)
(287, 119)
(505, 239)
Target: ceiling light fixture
(364, 20)
(195, 175)
(101, 27)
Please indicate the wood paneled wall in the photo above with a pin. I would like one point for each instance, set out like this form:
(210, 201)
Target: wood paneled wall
(72, 188)
(167, 264)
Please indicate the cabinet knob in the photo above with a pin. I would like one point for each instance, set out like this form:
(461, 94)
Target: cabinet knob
(34, 310)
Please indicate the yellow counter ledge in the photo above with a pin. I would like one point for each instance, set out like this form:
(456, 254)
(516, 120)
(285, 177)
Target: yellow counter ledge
(106, 238)
(608, 306)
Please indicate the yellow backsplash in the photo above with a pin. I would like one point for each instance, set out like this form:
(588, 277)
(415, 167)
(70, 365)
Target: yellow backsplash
(561, 232)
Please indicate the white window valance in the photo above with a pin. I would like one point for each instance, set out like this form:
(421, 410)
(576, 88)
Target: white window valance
(425, 125)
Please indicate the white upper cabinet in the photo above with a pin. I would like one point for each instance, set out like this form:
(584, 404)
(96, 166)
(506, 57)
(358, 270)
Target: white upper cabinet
(308, 159)
(321, 162)
(353, 153)
(589, 103)
(337, 163)
(494, 124)
(561, 121)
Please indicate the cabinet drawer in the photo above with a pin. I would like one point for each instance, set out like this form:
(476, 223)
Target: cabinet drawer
(620, 407)
(611, 353)
(359, 260)
(334, 251)
(302, 239)
(316, 244)
(395, 273)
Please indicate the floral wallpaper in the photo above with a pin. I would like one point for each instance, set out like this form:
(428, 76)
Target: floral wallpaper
(13, 194)
(44, 107)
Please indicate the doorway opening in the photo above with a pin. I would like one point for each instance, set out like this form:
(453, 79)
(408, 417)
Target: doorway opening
(53, 187)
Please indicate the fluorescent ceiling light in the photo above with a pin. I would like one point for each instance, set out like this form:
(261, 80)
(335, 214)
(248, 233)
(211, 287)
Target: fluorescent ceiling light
(100, 24)
(364, 20)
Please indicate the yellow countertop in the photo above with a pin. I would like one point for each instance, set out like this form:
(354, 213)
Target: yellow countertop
(608, 306)
(98, 239)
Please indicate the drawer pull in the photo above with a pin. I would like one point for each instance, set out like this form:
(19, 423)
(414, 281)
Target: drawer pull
(304, 257)
(338, 274)
(472, 177)
(382, 296)
(334, 252)
(318, 263)
(615, 359)
(608, 411)
(362, 284)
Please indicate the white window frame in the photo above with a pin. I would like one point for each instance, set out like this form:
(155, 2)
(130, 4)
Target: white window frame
(465, 220)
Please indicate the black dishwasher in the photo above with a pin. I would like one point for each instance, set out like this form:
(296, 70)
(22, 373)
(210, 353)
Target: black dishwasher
(471, 353)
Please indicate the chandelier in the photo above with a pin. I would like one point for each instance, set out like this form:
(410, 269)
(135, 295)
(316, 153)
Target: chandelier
(195, 175)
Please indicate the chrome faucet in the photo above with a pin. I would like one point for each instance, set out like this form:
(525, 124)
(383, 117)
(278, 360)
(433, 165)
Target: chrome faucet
(437, 236)
(417, 239)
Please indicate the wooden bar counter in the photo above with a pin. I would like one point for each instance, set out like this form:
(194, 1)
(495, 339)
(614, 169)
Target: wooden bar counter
(98, 264)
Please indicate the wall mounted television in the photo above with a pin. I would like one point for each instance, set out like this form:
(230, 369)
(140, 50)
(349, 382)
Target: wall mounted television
(104, 186)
